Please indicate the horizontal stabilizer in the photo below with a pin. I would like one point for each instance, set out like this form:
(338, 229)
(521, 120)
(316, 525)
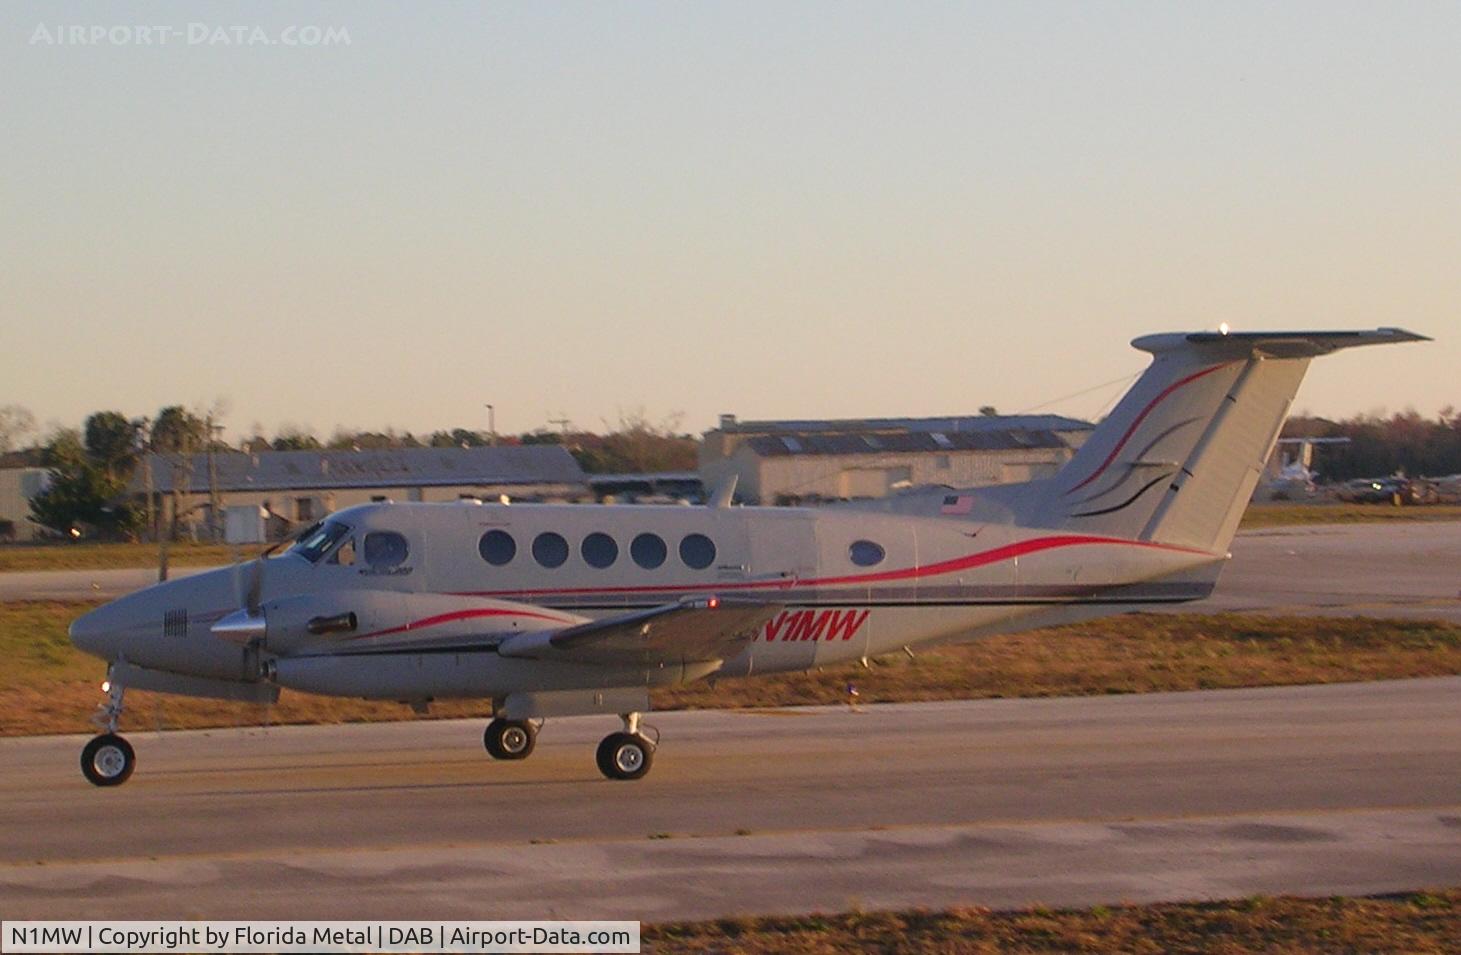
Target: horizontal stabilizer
(1273, 344)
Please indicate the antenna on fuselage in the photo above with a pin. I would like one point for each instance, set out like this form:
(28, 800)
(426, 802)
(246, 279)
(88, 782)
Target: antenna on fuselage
(724, 491)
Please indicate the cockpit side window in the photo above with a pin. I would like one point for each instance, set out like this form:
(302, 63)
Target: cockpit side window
(384, 550)
(317, 542)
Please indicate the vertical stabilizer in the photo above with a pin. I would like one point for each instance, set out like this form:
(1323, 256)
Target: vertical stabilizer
(1179, 457)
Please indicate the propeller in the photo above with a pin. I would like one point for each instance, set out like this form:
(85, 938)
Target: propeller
(247, 625)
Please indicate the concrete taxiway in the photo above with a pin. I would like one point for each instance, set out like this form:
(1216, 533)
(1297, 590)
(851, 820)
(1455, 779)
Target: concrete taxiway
(1410, 569)
(80, 584)
(1348, 788)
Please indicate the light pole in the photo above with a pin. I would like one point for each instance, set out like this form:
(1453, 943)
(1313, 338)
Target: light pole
(491, 425)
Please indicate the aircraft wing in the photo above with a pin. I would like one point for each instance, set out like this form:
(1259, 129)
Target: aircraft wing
(693, 631)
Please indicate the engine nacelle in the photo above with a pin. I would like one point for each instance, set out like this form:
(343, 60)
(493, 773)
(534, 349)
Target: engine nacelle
(381, 617)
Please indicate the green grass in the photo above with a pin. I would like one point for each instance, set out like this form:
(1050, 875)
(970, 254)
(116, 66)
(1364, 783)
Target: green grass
(46, 686)
(1289, 515)
(1418, 923)
(93, 556)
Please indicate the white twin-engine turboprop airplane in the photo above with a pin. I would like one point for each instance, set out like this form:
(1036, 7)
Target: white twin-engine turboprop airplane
(575, 609)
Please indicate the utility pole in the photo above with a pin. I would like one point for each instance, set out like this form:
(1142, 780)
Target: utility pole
(144, 452)
(215, 499)
(147, 490)
(491, 425)
(562, 423)
(182, 484)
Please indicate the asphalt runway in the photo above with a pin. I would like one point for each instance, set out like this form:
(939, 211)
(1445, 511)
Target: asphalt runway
(1377, 570)
(1320, 790)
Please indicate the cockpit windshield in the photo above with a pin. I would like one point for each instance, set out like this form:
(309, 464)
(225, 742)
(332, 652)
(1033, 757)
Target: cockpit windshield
(319, 540)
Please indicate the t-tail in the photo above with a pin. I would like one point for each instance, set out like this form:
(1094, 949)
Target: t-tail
(1177, 460)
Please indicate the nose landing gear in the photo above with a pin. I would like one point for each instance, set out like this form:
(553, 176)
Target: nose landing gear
(108, 760)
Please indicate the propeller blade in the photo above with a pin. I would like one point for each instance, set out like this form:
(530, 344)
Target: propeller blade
(240, 590)
(254, 600)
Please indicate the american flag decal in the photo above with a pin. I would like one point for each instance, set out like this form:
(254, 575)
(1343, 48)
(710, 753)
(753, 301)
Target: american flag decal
(957, 504)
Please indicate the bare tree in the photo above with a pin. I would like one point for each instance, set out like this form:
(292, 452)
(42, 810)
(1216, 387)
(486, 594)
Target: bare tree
(295, 437)
(15, 423)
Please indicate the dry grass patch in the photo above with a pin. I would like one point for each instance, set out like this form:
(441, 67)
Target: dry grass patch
(47, 686)
(1413, 923)
(1135, 653)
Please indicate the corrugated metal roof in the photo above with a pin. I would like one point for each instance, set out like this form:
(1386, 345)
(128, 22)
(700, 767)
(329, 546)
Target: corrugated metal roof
(957, 424)
(405, 467)
(644, 476)
(778, 445)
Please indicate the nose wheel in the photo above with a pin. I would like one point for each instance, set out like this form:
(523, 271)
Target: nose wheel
(510, 739)
(108, 760)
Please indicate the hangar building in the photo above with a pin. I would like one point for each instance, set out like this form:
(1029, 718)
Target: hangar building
(298, 487)
(788, 462)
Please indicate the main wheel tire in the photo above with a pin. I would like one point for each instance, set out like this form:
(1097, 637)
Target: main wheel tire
(509, 739)
(108, 760)
(625, 756)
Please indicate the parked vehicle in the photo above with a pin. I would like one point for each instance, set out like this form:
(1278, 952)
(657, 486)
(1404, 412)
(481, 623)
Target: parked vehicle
(1388, 490)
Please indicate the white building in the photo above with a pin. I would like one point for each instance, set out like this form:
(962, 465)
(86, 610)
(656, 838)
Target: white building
(17, 487)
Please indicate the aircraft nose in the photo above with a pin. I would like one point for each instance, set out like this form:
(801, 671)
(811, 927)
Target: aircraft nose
(96, 633)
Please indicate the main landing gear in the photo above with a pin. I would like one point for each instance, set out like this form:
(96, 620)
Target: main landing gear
(510, 739)
(623, 755)
(626, 755)
(108, 760)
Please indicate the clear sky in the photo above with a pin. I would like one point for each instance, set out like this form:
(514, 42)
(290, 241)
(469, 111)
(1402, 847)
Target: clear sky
(773, 209)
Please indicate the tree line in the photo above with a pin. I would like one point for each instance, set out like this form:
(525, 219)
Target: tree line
(91, 468)
(1403, 443)
(633, 444)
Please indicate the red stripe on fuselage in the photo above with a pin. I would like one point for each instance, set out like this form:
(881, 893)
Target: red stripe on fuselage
(1131, 429)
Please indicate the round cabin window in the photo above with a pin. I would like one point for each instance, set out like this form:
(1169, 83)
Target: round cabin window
(599, 550)
(550, 549)
(697, 551)
(497, 548)
(648, 550)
